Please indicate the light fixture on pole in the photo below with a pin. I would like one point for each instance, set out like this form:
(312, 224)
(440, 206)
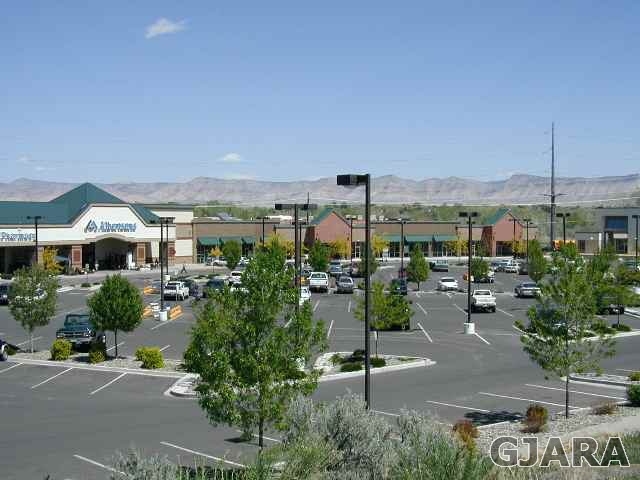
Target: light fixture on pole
(469, 327)
(564, 226)
(355, 181)
(36, 219)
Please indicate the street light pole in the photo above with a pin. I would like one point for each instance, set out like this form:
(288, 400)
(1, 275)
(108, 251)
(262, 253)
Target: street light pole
(36, 219)
(564, 226)
(351, 244)
(527, 222)
(636, 249)
(160, 254)
(354, 181)
(513, 242)
(469, 327)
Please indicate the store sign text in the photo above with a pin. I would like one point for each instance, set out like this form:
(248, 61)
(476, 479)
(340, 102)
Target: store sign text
(17, 237)
(108, 227)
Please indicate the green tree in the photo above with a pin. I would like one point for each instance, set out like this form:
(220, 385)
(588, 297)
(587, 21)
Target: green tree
(537, 263)
(49, 261)
(117, 306)
(479, 268)
(558, 335)
(340, 248)
(378, 245)
(232, 252)
(388, 312)
(418, 268)
(32, 298)
(319, 257)
(215, 252)
(616, 291)
(247, 347)
(278, 241)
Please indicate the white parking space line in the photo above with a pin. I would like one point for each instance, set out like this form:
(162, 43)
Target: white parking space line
(461, 309)
(117, 345)
(51, 378)
(478, 335)
(255, 435)
(422, 308)
(506, 313)
(349, 307)
(530, 400)
(97, 464)
(458, 406)
(425, 332)
(573, 391)
(625, 370)
(386, 413)
(35, 339)
(315, 307)
(164, 348)
(329, 329)
(108, 383)
(9, 368)
(193, 452)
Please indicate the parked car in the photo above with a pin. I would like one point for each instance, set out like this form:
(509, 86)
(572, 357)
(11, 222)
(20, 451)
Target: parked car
(398, 286)
(523, 268)
(4, 294)
(490, 277)
(79, 330)
(176, 290)
(305, 295)
(243, 262)
(344, 284)
(335, 270)
(319, 281)
(235, 277)
(511, 266)
(527, 289)
(194, 288)
(439, 266)
(483, 300)
(447, 283)
(214, 284)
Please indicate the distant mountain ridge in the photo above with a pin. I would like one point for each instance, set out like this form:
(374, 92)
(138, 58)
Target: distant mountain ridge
(517, 189)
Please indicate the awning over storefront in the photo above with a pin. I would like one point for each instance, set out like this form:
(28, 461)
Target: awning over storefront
(249, 240)
(231, 239)
(209, 241)
(417, 238)
(444, 238)
(391, 238)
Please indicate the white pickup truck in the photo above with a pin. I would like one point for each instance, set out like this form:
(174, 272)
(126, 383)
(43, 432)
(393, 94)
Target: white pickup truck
(319, 281)
(176, 290)
(483, 300)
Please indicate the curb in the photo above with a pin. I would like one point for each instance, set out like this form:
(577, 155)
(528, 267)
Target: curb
(97, 368)
(425, 362)
(182, 391)
(601, 381)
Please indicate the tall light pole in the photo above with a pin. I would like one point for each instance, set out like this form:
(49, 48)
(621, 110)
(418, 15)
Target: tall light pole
(636, 249)
(564, 226)
(469, 327)
(355, 181)
(36, 219)
(263, 218)
(527, 223)
(164, 261)
(513, 243)
(402, 222)
(351, 218)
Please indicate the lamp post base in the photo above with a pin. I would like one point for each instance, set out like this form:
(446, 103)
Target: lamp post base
(470, 328)
(163, 315)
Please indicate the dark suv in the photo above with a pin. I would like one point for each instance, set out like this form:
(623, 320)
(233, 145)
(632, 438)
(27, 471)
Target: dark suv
(78, 330)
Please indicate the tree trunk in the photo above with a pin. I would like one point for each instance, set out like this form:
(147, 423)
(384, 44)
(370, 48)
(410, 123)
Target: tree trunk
(566, 397)
(261, 432)
(115, 337)
(31, 339)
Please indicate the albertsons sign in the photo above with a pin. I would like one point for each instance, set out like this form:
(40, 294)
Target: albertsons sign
(108, 227)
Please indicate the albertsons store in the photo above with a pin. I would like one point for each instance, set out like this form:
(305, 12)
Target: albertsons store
(89, 228)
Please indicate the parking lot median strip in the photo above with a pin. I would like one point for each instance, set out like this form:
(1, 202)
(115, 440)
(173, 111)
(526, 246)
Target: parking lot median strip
(458, 406)
(211, 457)
(9, 368)
(530, 400)
(51, 378)
(104, 368)
(97, 464)
(108, 383)
(574, 391)
(425, 332)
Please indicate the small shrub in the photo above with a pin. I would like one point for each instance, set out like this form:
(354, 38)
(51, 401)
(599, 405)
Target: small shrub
(10, 350)
(634, 376)
(96, 283)
(357, 356)
(151, 357)
(97, 353)
(336, 359)
(621, 328)
(377, 362)
(467, 432)
(601, 328)
(61, 349)
(350, 367)
(608, 408)
(85, 285)
(633, 394)
(535, 418)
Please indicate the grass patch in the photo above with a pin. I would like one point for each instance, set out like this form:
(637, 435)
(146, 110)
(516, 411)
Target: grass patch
(407, 359)
(608, 408)
(351, 367)
(377, 362)
(621, 328)
(631, 442)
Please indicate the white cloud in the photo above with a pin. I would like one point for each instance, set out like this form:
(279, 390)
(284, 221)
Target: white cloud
(164, 26)
(231, 157)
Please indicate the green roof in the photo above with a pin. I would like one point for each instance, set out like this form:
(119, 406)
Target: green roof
(444, 238)
(209, 241)
(320, 217)
(496, 217)
(65, 209)
(417, 238)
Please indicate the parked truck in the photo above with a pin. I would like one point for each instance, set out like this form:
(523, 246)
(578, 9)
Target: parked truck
(79, 330)
(483, 300)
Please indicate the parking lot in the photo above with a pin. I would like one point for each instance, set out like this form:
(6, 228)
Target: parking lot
(69, 421)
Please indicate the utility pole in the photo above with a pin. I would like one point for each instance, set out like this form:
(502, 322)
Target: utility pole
(564, 226)
(469, 327)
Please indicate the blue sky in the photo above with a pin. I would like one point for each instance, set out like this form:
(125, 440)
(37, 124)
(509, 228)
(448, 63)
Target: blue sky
(163, 90)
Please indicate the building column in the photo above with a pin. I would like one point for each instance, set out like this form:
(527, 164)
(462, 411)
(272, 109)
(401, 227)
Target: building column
(141, 254)
(76, 257)
(171, 246)
(40, 255)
